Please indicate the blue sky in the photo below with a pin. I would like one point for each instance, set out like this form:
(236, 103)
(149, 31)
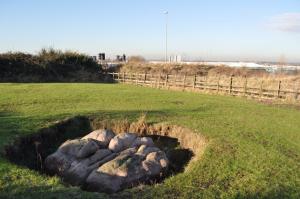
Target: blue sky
(198, 29)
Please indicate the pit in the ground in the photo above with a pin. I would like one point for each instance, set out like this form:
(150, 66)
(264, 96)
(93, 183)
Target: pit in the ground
(32, 150)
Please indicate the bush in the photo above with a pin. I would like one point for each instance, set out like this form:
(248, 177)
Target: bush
(136, 59)
(47, 65)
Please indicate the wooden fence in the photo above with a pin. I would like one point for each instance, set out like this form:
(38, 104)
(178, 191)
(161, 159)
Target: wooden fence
(243, 86)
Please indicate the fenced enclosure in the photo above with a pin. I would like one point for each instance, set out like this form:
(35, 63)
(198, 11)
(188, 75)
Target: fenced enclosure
(268, 88)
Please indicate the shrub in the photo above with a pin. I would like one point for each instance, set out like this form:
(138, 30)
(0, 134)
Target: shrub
(136, 59)
(47, 65)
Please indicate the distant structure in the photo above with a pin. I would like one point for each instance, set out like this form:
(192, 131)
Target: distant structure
(175, 59)
(94, 58)
(101, 56)
(107, 62)
(120, 58)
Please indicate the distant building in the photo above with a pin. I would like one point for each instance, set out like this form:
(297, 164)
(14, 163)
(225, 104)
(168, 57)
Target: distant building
(102, 59)
(120, 58)
(101, 56)
(94, 58)
(175, 59)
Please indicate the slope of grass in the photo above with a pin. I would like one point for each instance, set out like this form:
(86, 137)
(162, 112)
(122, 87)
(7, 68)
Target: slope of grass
(253, 152)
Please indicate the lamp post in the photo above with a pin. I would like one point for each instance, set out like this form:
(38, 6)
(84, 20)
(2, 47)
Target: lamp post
(166, 53)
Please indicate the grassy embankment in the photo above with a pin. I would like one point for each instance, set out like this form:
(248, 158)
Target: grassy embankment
(254, 149)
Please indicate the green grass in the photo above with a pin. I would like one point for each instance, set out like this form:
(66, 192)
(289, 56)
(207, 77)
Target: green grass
(253, 152)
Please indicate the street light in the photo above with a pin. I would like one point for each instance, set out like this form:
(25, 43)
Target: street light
(166, 55)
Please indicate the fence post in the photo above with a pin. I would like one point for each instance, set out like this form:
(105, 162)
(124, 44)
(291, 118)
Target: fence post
(261, 89)
(123, 77)
(194, 82)
(175, 80)
(153, 80)
(158, 82)
(218, 84)
(296, 91)
(204, 83)
(245, 86)
(130, 77)
(113, 76)
(136, 78)
(230, 86)
(279, 87)
(145, 78)
(118, 77)
(167, 79)
(184, 78)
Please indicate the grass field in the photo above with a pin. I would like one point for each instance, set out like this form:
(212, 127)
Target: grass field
(253, 151)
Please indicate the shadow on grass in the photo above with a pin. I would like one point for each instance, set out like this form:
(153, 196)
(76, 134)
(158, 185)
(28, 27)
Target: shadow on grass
(62, 192)
(47, 191)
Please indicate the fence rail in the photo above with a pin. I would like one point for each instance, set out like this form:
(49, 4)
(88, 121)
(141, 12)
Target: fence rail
(277, 89)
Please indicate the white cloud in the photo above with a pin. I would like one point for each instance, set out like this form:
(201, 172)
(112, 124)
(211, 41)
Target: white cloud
(287, 22)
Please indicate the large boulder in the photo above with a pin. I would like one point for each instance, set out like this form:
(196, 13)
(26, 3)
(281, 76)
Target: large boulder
(88, 148)
(61, 160)
(58, 163)
(80, 169)
(101, 161)
(155, 163)
(142, 141)
(102, 135)
(121, 142)
(144, 150)
(72, 147)
(131, 167)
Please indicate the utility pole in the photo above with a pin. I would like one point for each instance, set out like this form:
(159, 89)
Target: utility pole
(166, 53)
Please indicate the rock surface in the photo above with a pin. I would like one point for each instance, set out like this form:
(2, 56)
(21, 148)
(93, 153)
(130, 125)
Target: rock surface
(105, 162)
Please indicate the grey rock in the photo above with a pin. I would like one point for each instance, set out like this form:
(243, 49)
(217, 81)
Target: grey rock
(145, 150)
(121, 142)
(102, 135)
(142, 141)
(88, 148)
(58, 163)
(72, 147)
(79, 170)
(102, 182)
(106, 163)
(155, 163)
(113, 167)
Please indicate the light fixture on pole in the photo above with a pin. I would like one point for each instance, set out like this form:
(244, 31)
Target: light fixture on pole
(166, 53)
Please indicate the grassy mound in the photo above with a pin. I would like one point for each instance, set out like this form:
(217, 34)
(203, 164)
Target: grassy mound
(253, 149)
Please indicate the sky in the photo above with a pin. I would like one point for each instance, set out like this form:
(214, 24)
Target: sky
(211, 30)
